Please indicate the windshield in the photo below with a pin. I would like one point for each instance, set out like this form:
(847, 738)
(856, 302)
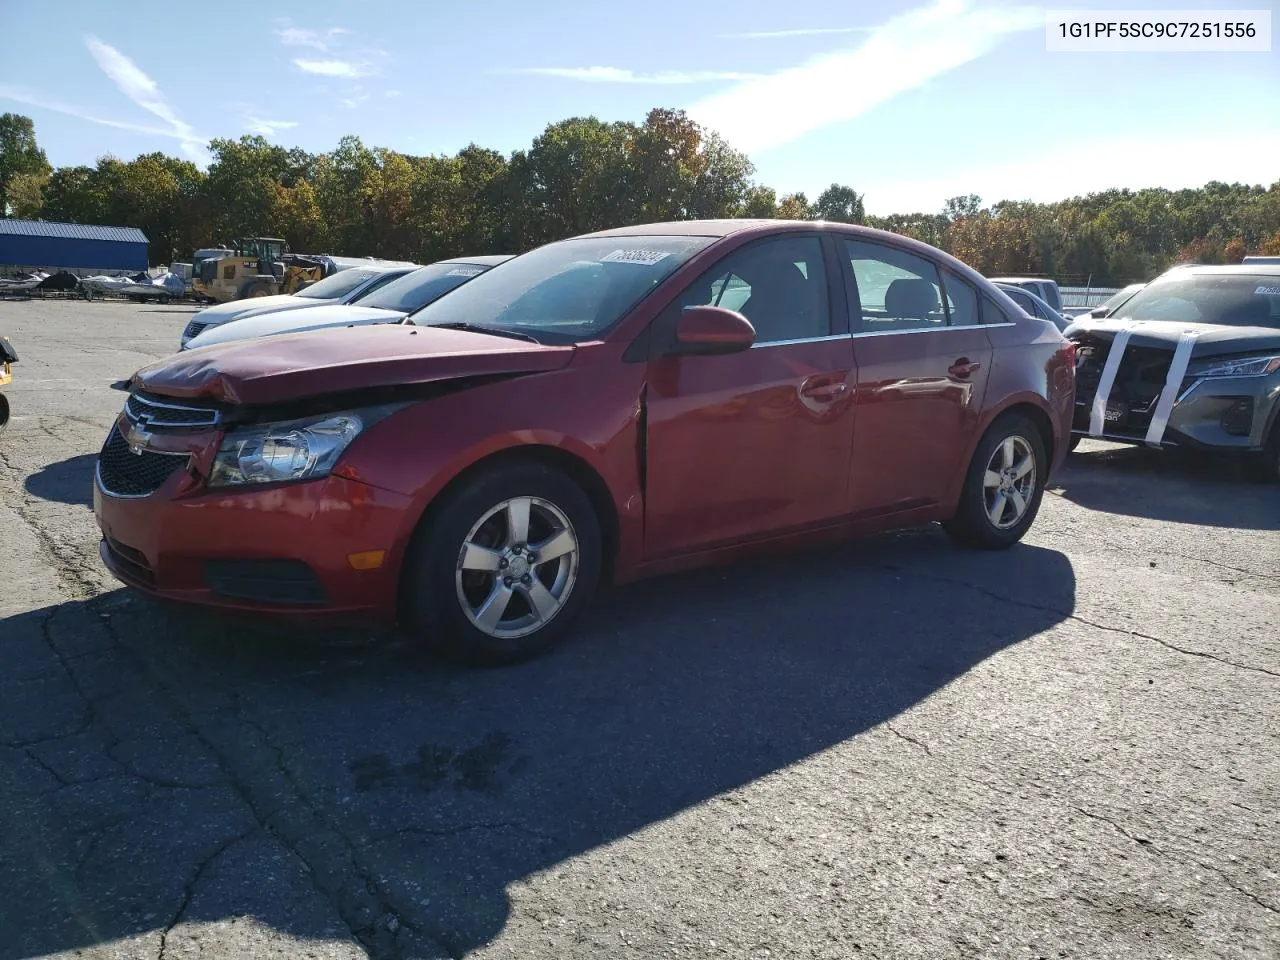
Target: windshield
(415, 290)
(569, 290)
(338, 284)
(1234, 300)
(1113, 301)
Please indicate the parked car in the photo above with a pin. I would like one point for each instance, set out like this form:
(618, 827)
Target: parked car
(8, 357)
(1192, 360)
(390, 304)
(1033, 305)
(345, 286)
(1047, 290)
(619, 404)
(1110, 304)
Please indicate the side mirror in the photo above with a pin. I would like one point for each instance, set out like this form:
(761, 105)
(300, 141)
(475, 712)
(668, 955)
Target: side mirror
(705, 331)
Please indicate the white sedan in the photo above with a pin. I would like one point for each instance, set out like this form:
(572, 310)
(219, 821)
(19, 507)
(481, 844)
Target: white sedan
(391, 304)
(345, 286)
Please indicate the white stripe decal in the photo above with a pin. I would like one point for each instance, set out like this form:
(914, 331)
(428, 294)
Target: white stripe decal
(1172, 383)
(1098, 416)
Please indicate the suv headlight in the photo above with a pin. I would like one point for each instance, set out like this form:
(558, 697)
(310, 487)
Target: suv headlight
(304, 449)
(1237, 367)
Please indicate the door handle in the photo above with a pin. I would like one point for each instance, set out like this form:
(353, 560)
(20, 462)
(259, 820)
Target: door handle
(963, 367)
(825, 390)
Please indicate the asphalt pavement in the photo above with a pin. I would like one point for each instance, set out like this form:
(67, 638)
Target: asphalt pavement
(891, 748)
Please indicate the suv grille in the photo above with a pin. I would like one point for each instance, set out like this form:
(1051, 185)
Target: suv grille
(123, 473)
(149, 411)
(194, 329)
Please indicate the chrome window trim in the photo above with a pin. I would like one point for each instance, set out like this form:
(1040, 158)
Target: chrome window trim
(945, 329)
(787, 343)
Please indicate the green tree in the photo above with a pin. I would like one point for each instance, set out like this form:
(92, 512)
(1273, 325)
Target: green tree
(840, 204)
(26, 195)
(794, 206)
(19, 155)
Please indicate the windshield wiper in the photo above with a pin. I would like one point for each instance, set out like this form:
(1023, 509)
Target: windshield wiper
(477, 328)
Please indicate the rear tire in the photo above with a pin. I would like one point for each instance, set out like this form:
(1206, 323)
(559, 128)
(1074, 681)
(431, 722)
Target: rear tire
(1003, 486)
(503, 567)
(4, 413)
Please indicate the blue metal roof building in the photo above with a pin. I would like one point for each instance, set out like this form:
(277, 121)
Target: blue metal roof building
(71, 246)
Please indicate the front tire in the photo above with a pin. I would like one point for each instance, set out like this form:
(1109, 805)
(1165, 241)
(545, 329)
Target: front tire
(503, 566)
(1264, 467)
(1003, 486)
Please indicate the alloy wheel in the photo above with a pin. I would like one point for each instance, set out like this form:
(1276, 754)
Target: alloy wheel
(516, 567)
(1009, 482)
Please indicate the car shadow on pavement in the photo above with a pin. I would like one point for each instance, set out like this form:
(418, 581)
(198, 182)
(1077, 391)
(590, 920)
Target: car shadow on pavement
(67, 481)
(164, 764)
(1213, 491)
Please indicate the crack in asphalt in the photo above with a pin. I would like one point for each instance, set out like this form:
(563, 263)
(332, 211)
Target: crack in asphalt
(189, 888)
(437, 832)
(1167, 854)
(1069, 615)
(908, 738)
(372, 934)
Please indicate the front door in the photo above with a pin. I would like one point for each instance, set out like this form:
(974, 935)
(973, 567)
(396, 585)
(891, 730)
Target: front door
(758, 442)
(923, 363)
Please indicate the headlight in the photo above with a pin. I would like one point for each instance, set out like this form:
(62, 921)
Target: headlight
(1238, 367)
(288, 450)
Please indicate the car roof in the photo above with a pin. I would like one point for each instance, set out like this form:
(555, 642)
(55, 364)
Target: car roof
(487, 260)
(1230, 269)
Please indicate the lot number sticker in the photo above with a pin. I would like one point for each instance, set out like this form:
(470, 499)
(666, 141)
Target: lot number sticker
(464, 272)
(1267, 292)
(643, 257)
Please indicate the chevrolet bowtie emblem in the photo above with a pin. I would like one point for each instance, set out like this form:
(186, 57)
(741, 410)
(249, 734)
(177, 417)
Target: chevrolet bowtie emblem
(137, 440)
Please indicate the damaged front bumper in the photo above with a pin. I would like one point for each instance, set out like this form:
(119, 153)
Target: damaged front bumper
(1145, 393)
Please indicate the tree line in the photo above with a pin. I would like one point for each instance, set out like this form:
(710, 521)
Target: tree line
(584, 174)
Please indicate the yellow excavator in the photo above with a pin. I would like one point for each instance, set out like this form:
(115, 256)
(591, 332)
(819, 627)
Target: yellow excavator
(255, 267)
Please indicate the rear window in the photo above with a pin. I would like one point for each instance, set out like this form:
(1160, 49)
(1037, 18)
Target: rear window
(337, 285)
(425, 285)
(1232, 300)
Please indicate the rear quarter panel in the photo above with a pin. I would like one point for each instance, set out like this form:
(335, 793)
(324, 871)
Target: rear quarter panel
(1033, 364)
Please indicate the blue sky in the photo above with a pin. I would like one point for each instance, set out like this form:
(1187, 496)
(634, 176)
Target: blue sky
(908, 101)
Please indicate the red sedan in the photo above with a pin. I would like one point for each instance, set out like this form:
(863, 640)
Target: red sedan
(615, 405)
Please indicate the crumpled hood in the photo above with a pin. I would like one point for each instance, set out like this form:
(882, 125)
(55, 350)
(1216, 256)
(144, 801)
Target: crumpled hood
(291, 321)
(1214, 340)
(294, 366)
(222, 312)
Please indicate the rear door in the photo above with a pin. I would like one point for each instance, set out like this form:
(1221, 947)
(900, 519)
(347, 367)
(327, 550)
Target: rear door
(923, 362)
(758, 442)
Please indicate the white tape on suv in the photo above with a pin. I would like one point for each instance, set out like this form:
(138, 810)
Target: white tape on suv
(1098, 416)
(1172, 384)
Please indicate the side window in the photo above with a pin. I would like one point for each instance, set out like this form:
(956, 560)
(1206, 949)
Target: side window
(896, 290)
(992, 312)
(779, 285)
(1022, 300)
(962, 301)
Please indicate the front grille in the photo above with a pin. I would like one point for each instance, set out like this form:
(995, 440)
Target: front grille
(194, 329)
(132, 563)
(124, 473)
(1135, 392)
(282, 582)
(150, 411)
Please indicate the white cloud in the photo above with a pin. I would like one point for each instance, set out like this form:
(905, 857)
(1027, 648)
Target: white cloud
(619, 75)
(315, 39)
(20, 95)
(335, 68)
(268, 128)
(142, 90)
(799, 32)
(1174, 162)
(391, 93)
(354, 100)
(899, 55)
